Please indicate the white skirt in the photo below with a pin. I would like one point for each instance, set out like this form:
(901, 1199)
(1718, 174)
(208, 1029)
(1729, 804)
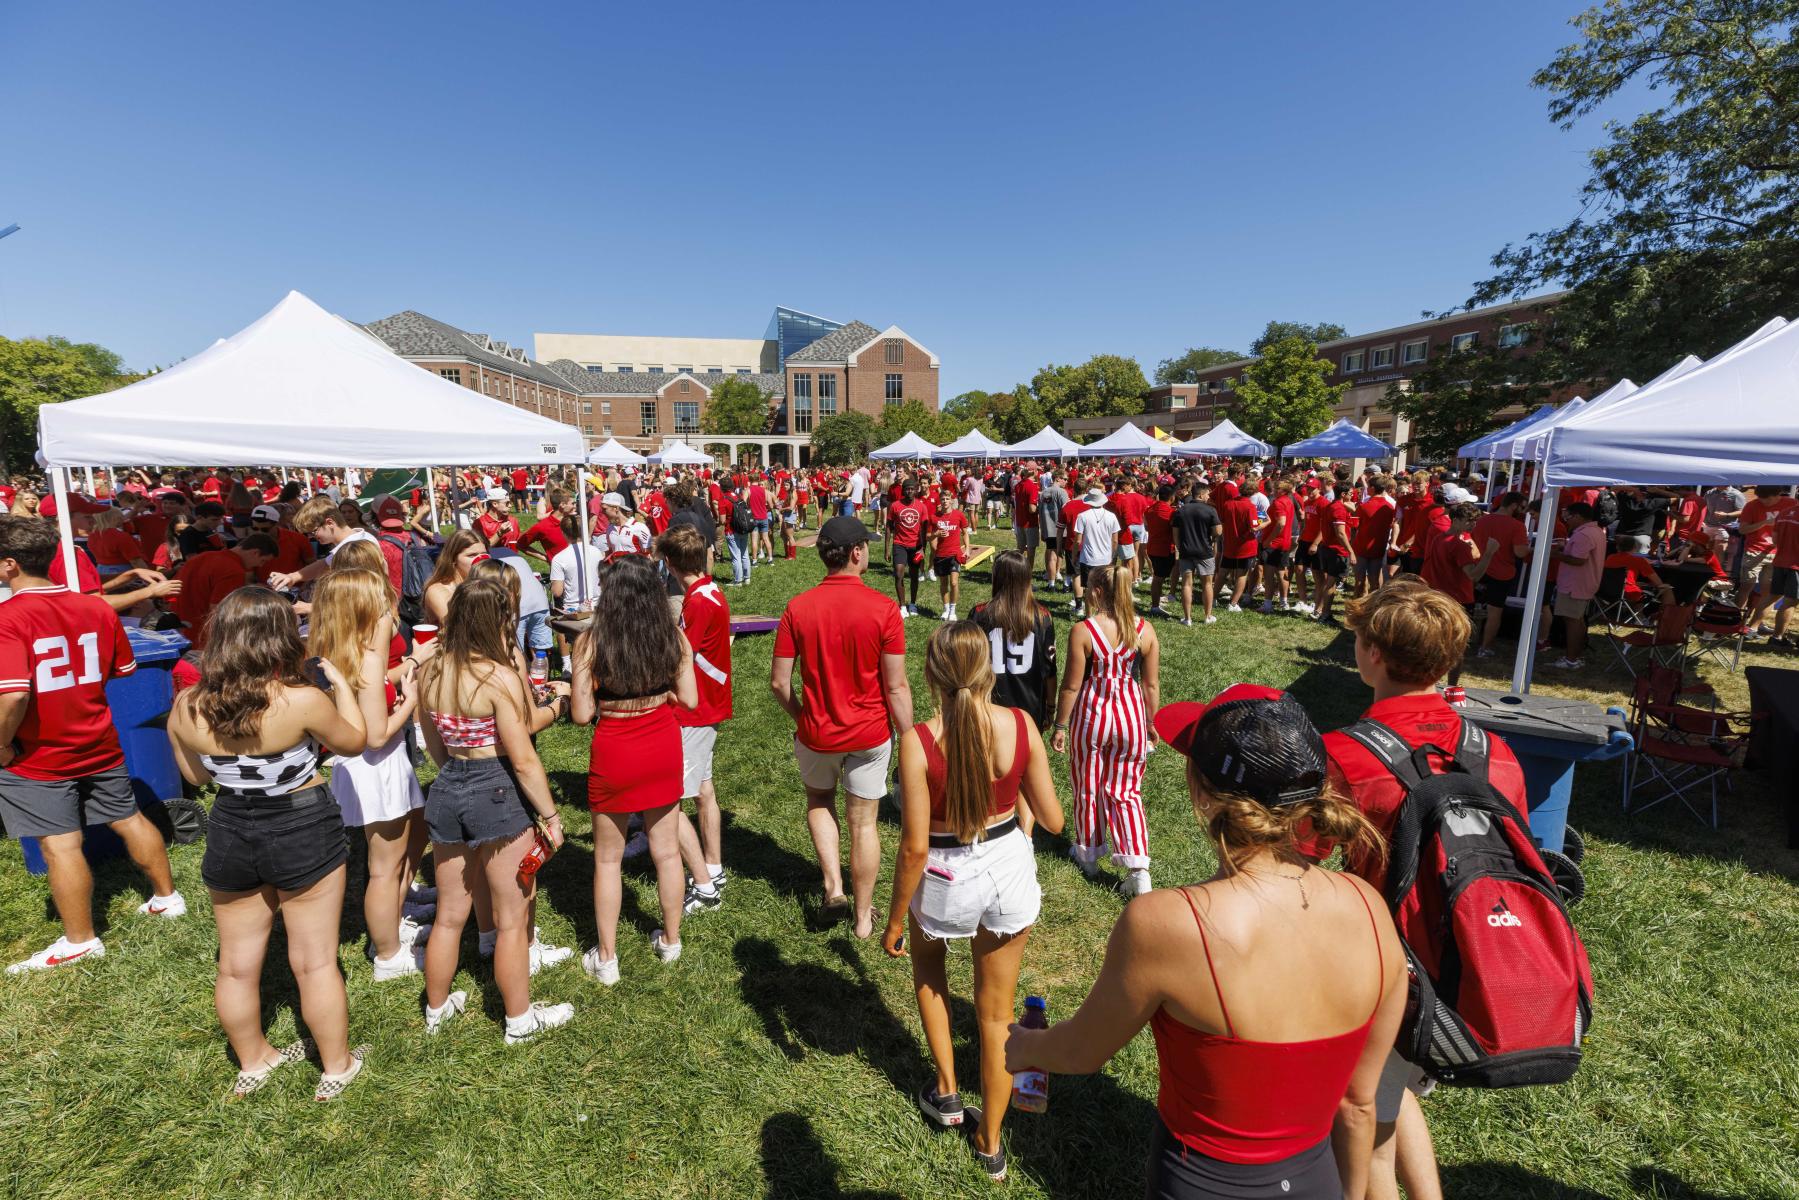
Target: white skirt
(376, 785)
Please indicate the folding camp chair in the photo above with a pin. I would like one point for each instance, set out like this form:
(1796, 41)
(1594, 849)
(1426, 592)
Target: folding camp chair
(1718, 627)
(1664, 645)
(1618, 605)
(1678, 748)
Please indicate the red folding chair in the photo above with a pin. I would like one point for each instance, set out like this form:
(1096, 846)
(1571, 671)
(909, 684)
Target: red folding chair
(1680, 749)
(1663, 646)
(1719, 627)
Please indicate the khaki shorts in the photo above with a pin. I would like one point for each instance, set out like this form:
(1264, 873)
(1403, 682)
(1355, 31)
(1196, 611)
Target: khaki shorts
(862, 773)
(1396, 1079)
(1570, 608)
(697, 742)
(1755, 562)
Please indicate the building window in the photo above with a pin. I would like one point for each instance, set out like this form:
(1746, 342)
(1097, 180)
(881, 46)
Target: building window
(687, 416)
(587, 408)
(1380, 357)
(453, 374)
(687, 385)
(605, 408)
(896, 388)
(595, 369)
(895, 350)
(1513, 335)
(607, 430)
(587, 429)
(623, 369)
(802, 386)
(1353, 361)
(655, 370)
(646, 417)
(1414, 352)
(1462, 342)
(745, 371)
(827, 396)
(678, 370)
(715, 370)
(800, 410)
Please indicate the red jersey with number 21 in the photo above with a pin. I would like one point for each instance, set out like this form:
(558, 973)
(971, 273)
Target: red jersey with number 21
(62, 648)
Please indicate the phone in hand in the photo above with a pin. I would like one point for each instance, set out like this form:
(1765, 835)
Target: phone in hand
(314, 668)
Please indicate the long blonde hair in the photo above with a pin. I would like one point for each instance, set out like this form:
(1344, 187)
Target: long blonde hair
(1111, 594)
(347, 606)
(363, 555)
(959, 670)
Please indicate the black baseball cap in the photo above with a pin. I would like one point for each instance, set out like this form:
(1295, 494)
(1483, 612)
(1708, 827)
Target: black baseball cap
(840, 532)
(1256, 740)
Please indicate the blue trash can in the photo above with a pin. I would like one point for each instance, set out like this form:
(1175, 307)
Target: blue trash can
(1549, 735)
(140, 705)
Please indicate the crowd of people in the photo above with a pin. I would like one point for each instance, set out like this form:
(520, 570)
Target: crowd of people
(339, 639)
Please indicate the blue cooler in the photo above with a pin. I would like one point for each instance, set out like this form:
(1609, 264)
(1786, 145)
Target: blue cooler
(1549, 735)
(140, 703)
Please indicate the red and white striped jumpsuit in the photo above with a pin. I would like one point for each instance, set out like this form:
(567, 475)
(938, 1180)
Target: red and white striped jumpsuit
(1108, 742)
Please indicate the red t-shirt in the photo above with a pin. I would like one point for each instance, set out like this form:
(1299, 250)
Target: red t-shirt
(206, 579)
(521, 479)
(908, 522)
(654, 507)
(1238, 519)
(1313, 524)
(1333, 515)
(87, 578)
(502, 529)
(1074, 508)
(1024, 504)
(1376, 514)
(1786, 537)
(1282, 517)
(113, 547)
(1443, 567)
(1414, 516)
(151, 529)
(547, 530)
(62, 649)
(838, 632)
(1129, 508)
(706, 620)
(950, 526)
(1762, 540)
(1508, 532)
(1158, 522)
(1417, 719)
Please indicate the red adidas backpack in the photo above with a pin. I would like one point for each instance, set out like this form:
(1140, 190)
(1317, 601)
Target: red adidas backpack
(1501, 991)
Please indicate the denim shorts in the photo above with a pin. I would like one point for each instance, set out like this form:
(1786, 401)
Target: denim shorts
(534, 631)
(760, 526)
(475, 801)
(288, 842)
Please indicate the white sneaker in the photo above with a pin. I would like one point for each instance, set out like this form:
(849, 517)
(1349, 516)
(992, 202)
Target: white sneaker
(171, 905)
(454, 1003)
(543, 954)
(1234, 608)
(665, 951)
(930, 576)
(1187, 621)
(639, 844)
(1137, 883)
(1212, 620)
(1089, 869)
(602, 970)
(537, 1018)
(1304, 606)
(408, 960)
(59, 953)
(1567, 664)
(413, 933)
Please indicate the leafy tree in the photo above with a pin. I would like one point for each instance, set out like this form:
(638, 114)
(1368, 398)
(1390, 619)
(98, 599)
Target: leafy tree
(844, 438)
(1458, 396)
(1020, 417)
(1283, 396)
(1687, 233)
(1103, 386)
(736, 406)
(974, 403)
(38, 371)
(1186, 367)
(1324, 331)
(908, 416)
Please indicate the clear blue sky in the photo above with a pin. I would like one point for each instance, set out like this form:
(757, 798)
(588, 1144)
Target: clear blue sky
(1014, 184)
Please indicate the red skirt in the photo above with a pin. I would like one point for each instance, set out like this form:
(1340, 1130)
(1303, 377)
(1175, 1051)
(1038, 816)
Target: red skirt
(635, 762)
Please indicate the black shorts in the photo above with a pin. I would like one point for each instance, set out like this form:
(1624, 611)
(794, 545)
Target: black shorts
(1411, 565)
(474, 801)
(1161, 565)
(1306, 557)
(1493, 592)
(1228, 563)
(907, 556)
(946, 567)
(1785, 582)
(287, 842)
(1179, 1173)
(1332, 562)
(1275, 558)
(1052, 541)
(46, 807)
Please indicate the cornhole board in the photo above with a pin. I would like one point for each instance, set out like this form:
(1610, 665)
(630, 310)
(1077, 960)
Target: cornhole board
(980, 556)
(743, 623)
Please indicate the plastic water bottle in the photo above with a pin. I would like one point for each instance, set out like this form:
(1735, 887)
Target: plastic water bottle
(1030, 1088)
(540, 668)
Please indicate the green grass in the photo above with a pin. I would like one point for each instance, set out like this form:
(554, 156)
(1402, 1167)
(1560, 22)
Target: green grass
(777, 1058)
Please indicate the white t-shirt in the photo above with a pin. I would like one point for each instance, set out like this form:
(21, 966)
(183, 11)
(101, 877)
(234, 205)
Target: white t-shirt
(1260, 500)
(531, 596)
(630, 537)
(570, 564)
(858, 485)
(355, 535)
(1098, 530)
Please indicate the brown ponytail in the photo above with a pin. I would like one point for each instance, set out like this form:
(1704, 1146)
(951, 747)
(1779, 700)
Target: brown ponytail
(960, 674)
(1241, 825)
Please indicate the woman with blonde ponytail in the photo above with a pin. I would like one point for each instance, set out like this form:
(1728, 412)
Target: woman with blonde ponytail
(1274, 990)
(1111, 683)
(974, 780)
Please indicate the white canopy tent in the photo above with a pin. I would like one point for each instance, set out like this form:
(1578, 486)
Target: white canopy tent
(1127, 441)
(1045, 443)
(612, 453)
(298, 387)
(973, 444)
(909, 446)
(1482, 446)
(680, 454)
(1530, 445)
(1224, 440)
(1342, 440)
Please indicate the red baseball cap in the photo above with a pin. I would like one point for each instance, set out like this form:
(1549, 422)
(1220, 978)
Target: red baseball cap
(78, 504)
(1251, 739)
(388, 513)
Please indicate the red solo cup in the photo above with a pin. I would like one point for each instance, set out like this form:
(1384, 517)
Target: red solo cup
(423, 633)
(1455, 695)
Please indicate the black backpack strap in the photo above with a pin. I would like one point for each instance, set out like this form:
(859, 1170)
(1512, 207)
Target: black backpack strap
(1390, 750)
(1411, 767)
(1472, 753)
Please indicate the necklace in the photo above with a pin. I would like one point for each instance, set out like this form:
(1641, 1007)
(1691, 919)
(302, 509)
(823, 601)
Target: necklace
(1304, 901)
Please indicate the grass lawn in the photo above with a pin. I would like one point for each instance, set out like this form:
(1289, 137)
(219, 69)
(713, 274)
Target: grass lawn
(778, 1058)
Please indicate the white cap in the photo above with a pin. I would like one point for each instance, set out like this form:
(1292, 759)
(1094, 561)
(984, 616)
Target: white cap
(266, 512)
(494, 493)
(613, 500)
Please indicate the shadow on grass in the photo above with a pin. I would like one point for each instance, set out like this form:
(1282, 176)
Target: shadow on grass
(796, 1164)
(1503, 1181)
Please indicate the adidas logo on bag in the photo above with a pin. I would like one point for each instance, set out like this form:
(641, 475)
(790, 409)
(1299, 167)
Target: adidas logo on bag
(1502, 917)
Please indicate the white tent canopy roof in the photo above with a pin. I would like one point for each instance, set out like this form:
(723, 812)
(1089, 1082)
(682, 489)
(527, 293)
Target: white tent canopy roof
(612, 453)
(1342, 440)
(301, 388)
(1226, 440)
(909, 446)
(1045, 443)
(973, 444)
(1127, 441)
(1729, 420)
(1487, 445)
(680, 454)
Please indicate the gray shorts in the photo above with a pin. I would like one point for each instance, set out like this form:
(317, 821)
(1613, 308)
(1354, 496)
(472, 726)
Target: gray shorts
(1028, 539)
(1397, 1078)
(697, 742)
(46, 807)
(1195, 566)
(475, 801)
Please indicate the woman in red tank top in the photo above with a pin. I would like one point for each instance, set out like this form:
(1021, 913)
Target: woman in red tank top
(1274, 989)
(974, 779)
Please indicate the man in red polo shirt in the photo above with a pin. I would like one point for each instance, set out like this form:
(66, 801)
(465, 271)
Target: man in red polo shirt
(706, 623)
(851, 646)
(1407, 637)
(1373, 531)
(1454, 563)
(548, 528)
(208, 578)
(292, 550)
(1502, 525)
(1335, 551)
(1026, 534)
(496, 524)
(1237, 550)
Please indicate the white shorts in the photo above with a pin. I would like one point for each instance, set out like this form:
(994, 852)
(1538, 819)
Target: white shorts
(991, 885)
(1396, 1079)
(862, 773)
(697, 742)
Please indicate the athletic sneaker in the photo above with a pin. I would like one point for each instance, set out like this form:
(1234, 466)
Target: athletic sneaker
(1188, 622)
(1486, 652)
(171, 905)
(1304, 606)
(1156, 610)
(543, 954)
(1234, 608)
(537, 1018)
(413, 933)
(59, 953)
(993, 1164)
(604, 970)
(407, 960)
(1212, 620)
(665, 951)
(701, 901)
(1567, 664)
(931, 576)
(719, 877)
(945, 1111)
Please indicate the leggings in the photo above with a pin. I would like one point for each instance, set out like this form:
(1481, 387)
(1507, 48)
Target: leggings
(1177, 1172)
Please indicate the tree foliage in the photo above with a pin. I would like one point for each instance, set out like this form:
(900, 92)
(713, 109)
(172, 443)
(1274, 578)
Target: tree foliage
(1105, 385)
(736, 406)
(1185, 367)
(1283, 396)
(844, 438)
(38, 371)
(1324, 331)
(1458, 396)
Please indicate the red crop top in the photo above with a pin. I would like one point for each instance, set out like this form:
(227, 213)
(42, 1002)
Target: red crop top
(1252, 1102)
(1005, 788)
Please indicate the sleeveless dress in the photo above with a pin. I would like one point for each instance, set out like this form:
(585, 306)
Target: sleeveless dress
(1108, 742)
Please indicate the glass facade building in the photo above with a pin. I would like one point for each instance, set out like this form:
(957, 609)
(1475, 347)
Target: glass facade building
(791, 330)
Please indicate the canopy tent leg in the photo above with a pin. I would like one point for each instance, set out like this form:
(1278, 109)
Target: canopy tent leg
(59, 485)
(586, 537)
(1533, 598)
(88, 472)
(431, 491)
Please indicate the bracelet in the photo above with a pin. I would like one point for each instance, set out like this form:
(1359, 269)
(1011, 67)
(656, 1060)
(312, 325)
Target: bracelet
(1061, 727)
